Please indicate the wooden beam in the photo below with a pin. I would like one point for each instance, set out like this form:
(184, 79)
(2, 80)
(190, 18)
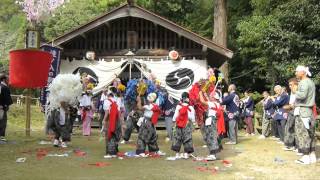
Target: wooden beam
(142, 52)
(138, 12)
(135, 12)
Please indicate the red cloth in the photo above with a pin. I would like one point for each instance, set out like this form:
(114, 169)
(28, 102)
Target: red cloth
(195, 102)
(29, 68)
(315, 113)
(156, 113)
(182, 119)
(220, 121)
(84, 115)
(113, 118)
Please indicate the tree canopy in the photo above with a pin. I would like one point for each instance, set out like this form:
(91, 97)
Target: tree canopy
(269, 37)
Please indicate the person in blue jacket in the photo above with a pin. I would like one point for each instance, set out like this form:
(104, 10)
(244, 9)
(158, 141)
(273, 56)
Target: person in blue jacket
(248, 113)
(279, 101)
(232, 102)
(268, 112)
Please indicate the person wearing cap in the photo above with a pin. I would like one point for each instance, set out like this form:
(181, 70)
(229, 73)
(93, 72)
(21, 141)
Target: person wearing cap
(184, 119)
(210, 129)
(248, 114)
(58, 122)
(112, 124)
(147, 131)
(304, 117)
(5, 102)
(232, 102)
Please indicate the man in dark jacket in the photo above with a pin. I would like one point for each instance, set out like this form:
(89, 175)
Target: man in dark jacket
(267, 115)
(232, 102)
(5, 102)
(279, 101)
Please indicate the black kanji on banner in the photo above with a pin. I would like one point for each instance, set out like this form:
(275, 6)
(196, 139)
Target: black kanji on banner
(180, 79)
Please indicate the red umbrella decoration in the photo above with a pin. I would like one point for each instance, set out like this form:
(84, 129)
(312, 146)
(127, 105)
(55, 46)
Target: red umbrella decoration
(29, 68)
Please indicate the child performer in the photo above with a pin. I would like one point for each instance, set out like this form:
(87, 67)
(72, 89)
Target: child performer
(147, 132)
(86, 112)
(211, 135)
(59, 118)
(184, 113)
(112, 125)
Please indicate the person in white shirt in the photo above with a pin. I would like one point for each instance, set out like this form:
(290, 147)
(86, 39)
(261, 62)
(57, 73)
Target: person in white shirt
(184, 119)
(211, 135)
(86, 112)
(147, 131)
(289, 131)
(112, 125)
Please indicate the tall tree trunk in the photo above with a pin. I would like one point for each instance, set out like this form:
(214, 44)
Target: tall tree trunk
(220, 31)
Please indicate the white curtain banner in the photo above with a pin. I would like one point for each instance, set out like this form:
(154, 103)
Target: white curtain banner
(176, 76)
(104, 71)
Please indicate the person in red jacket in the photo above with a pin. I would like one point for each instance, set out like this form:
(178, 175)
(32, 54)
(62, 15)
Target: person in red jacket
(184, 119)
(211, 134)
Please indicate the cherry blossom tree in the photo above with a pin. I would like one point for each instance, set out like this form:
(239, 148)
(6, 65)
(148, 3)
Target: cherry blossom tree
(37, 10)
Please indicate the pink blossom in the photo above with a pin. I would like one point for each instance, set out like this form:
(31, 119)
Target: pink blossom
(38, 10)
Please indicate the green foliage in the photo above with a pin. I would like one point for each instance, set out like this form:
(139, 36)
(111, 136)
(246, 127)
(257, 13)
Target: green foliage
(12, 28)
(75, 13)
(7, 9)
(276, 38)
(268, 37)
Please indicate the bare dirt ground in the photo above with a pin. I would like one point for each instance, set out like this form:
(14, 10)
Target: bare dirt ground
(250, 159)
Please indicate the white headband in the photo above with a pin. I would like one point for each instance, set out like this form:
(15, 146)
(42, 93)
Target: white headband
(304, 69)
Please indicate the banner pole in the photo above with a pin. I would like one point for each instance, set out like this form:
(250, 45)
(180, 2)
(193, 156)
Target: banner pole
(28, 113)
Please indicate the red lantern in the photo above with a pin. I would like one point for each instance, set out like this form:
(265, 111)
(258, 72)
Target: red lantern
(29, 68)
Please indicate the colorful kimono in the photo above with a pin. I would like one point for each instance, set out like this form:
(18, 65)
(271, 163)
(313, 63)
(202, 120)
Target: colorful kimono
(184, 116)
(147, 131)
(86, 114)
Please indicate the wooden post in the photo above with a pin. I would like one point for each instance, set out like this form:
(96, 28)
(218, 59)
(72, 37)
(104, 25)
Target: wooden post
(28, 113)
(220, 31)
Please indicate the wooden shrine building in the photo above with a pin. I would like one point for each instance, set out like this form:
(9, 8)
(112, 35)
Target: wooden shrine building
(148, 35)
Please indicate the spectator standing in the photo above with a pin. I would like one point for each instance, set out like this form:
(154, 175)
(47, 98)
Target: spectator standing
(304, 117)
(5, 102)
